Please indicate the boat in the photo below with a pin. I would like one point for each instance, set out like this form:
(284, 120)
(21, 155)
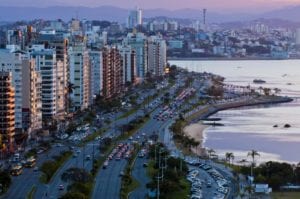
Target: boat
(259, 81)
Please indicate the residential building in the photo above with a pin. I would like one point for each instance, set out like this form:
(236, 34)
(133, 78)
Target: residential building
(7, 113)
(138, 42)
(45, 60)
(112, 72)
(96, 71)
(12, 62)
(157, 55)
(31, 98)
(128, 64)
(60, 45)
(79, 74)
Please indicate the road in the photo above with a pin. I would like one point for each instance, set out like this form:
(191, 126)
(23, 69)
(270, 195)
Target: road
(140, 174)
(108, 181)
(23, 183)
(52, 187)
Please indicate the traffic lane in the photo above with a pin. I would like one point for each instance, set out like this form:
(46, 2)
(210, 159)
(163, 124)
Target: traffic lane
(140, 174)
(55, 192)
(52, 188)
(23, 184)
(108, 181)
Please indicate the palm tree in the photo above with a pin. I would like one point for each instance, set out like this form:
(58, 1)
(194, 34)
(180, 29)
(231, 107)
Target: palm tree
(277, 90)
(253, 153)
(210, 153)
(229, 157)
(70, 88)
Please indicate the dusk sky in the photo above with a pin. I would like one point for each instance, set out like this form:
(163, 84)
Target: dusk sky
(215, 5)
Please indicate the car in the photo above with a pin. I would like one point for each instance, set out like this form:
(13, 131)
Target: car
(88, 157)
(40, 151)
(61, 187)
(35, 169)
(122, 173)
(75, 155)
(145, 165)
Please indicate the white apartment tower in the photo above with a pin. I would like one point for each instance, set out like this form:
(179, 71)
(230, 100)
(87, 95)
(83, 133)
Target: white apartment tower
(157, 55)
(128, 63)
(96, 77)
(139, 43)
(45, 60)
(79, 74)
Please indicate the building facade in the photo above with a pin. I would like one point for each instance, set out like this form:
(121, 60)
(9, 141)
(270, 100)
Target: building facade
(7, 113)
(112, 72)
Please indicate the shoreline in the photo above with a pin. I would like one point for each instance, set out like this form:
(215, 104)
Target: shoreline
(195, 128)
(196, 131)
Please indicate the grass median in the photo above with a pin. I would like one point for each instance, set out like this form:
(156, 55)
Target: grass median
(129, 183)
(51, 166)
(31, 193)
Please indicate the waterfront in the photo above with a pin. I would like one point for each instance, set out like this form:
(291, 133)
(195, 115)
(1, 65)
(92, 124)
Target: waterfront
(252, 127)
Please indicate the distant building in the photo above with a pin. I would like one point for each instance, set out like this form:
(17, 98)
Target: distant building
(135, 18)
(175, 44)
(298, 36)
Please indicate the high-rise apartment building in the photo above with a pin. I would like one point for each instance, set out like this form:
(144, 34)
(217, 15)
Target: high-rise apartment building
(128, 64)
(79, 74)
(12, 62)
(157, 55)
(45, 60)
(138, 42)
(96, 77)
(31, 98)
(7, 113)
(60, 44)
(112, 72)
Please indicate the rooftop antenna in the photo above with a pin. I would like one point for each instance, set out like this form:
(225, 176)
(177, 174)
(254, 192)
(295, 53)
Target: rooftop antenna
(76, 13)
(204, 16)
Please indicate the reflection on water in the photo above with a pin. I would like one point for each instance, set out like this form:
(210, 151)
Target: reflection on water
(252, 127)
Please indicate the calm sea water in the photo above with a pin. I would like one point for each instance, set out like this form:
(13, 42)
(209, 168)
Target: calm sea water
(252, 127)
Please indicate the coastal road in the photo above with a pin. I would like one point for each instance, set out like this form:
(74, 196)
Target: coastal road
(140, 174)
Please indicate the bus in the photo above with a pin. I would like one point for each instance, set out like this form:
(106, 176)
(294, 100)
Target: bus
(30, 162)
(16, 170)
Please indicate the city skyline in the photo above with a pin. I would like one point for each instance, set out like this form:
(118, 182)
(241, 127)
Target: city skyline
(251, 6)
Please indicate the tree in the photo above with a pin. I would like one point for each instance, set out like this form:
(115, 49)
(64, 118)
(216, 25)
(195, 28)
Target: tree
(5, 180)
(229, 157)
(76, 175)
(210, 152)
(277, 90)
(253, 153)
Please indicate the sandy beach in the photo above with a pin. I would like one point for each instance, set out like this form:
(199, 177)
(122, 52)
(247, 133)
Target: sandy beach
(195, 131)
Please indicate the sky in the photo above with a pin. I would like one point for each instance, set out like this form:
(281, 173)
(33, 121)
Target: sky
(215, 5)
